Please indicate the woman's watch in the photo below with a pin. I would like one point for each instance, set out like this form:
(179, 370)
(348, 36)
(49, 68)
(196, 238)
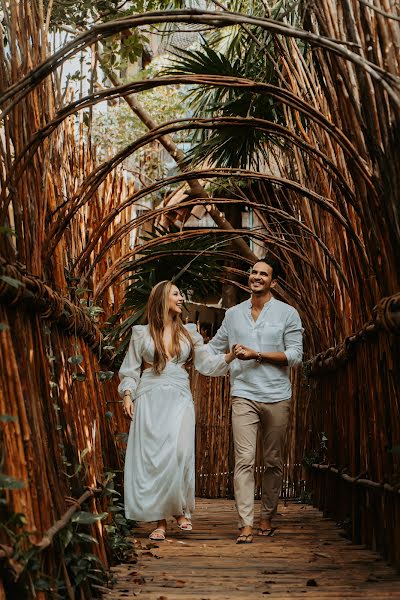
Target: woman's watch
(259, 357)
(127, 393)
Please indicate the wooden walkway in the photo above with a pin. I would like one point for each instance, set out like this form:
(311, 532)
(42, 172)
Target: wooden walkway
(306, 558)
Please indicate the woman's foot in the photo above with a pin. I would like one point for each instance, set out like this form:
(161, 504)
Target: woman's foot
(184, 523)
(158, 534)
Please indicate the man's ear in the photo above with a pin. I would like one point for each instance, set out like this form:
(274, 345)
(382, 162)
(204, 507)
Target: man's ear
(274, 282)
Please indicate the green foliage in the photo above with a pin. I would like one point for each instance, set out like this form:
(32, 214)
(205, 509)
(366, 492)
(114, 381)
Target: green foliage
(120, 527)
(10, 483)
(305, 497)
(92, 310)
(7, 418)
(118, 126)
(87, 518)
(105, 375)
(11, 281)
(238, 51)
(231, 146)
(317, 455)
(7, 482)
(73, 546)
(7, 230)
(83, 13)
(75, 360)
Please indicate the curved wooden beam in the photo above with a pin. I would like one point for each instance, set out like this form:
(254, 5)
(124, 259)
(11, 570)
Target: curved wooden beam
(20, 89)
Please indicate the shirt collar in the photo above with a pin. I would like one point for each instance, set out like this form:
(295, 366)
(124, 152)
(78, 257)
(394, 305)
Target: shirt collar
(267, 304)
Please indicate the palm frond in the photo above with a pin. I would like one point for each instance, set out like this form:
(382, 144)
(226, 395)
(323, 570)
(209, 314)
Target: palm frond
(236, 148)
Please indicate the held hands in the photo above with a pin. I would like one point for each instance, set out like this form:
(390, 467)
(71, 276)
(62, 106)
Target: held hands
(129, 407)
(244, 353)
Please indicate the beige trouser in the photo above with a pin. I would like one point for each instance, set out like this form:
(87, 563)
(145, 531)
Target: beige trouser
(247, 416)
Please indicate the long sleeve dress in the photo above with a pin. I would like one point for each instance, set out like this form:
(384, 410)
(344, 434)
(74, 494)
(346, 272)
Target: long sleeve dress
(159, 463)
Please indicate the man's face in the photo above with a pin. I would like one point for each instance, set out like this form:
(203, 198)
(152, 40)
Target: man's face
(261, 279)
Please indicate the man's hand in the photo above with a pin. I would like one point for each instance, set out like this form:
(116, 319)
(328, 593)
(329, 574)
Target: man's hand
(129, 407)
(244, 353)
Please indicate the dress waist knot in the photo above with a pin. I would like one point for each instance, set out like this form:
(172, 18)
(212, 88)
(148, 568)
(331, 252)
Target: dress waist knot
(173, 374)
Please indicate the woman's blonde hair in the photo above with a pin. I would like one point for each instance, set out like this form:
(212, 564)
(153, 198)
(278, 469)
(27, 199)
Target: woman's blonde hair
(156, 316)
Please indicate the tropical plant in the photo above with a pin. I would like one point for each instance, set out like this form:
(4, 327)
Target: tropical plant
(243, 52)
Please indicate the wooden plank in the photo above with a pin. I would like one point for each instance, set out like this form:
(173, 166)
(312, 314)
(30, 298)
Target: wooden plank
(306, 557)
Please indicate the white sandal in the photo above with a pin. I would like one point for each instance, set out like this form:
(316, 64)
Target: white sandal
(157, 535)
(186, 526)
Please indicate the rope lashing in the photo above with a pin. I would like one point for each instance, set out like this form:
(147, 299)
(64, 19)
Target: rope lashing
(385, 316)
(19, 287)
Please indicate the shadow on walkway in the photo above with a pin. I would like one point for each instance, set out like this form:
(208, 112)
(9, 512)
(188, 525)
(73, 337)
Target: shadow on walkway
(308, 557)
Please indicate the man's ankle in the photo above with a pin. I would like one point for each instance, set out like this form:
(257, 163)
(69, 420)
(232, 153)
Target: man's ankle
(265, 523)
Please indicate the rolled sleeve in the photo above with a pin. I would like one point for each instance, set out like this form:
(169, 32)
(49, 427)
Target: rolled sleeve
(293, 340)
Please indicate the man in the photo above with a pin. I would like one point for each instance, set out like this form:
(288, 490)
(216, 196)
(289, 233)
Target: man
(267, 338)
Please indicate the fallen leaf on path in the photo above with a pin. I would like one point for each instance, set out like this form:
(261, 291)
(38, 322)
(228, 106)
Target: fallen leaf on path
(174, 584)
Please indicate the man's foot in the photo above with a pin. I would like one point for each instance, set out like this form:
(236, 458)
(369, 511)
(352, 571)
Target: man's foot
(245, 535)
(265, 528)
(265, 532)
(184, 523)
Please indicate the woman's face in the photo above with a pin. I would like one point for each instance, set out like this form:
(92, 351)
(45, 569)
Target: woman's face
(175, 301)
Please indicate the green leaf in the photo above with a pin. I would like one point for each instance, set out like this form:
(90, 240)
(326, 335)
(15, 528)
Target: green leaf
(109, 414)
(4, 327)
(10, 483)
(86, 538)
(84, 452)
(75, 360)
(11, 281)
(67, 536)
(105, 375)
(80, 291)
(42, 584)
(114, 509)
(92, 558)
(111, 492)
(7, 418)
(7, 230)
(88, 518)
(79, 376)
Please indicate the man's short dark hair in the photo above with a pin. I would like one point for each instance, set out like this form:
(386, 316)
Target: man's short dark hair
(274, 263)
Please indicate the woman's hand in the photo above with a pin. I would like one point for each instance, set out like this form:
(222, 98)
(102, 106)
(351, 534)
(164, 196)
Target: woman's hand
(230, 356)
(244, 353)
(129, 407)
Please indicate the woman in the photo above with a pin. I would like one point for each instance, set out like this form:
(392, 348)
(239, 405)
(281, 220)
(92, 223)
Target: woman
(159, 464)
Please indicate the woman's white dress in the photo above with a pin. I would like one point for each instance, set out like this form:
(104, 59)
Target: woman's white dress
(159, 462)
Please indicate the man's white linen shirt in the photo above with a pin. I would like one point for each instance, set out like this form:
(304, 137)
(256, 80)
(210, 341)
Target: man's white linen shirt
(277, 329)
